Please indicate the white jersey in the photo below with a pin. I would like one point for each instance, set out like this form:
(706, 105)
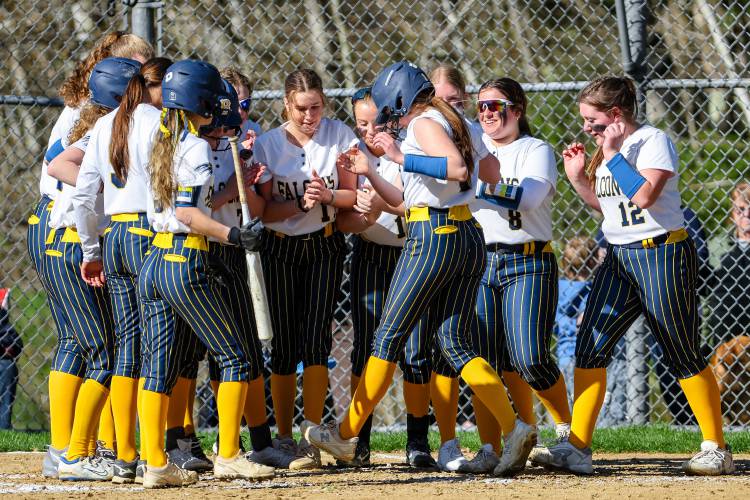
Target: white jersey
(646, 148)
(229, 214)
(290, 168)
(388, 229)
(63, 214)
(477, 142)
(58, 141)
(96, 170)
(250, 125)
(522, 158)
(423, 190)
(192, 170)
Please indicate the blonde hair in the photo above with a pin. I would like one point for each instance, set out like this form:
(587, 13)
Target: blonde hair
(234, 76)
(161, 164)
(86, 120)
(605, 93)
(75, 90)
(450, 74)
(579, 257)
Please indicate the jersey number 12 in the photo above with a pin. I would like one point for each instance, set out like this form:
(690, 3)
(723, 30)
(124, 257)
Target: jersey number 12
(634, 212)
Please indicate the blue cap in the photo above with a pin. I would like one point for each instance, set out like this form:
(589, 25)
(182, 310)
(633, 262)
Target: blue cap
(395, 89)
(110, 78)
(193, 86)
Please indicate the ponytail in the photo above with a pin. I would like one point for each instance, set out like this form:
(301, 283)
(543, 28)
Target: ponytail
(161, 164)
(119, 155)
(461, 134)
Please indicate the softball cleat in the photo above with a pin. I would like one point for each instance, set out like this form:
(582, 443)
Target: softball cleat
(710, 461)
(239, 467)
(84, 469)
(450, 456)
(484, 462)
(516, 448)
(168, 475)
(327, 438)
(540, 453)
(565, 456)
(51, 461)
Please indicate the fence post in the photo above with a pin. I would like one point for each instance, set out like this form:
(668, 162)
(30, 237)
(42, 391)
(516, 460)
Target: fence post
(142, 20)
(631, 23)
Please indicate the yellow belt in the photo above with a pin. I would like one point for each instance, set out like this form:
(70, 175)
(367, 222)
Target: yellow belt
(126, 217)
(422, 214)
(69, 236)
(673, 237)
(192, 240)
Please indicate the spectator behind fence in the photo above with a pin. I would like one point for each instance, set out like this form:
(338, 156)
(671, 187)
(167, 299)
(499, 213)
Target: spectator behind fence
(10, 349)
(580, 257)
(729, 300)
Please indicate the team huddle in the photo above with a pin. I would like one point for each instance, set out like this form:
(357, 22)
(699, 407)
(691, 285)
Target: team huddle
(140, 242)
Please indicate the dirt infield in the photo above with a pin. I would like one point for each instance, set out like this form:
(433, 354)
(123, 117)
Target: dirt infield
(620, 475)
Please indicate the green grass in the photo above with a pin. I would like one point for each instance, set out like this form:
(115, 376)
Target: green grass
(654, 438)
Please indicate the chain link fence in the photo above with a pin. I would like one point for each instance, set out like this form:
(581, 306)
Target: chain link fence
(690, 58)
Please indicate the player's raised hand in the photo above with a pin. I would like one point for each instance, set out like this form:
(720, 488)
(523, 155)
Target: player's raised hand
(614, 135)
(93, 273)
(253, 173)
(364, 204)
(249, 140)
(387, 143)
(354, 161)
(317, 190)
(574, 159)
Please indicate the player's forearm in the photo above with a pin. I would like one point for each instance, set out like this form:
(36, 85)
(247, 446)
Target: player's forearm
(489, 169)
(221, 198)
(84, 210)
(277, 211)
(586, 192)
(343, 198)
(352, 222)
(64, 171)
(390, 194)
(256, 204)
(200, 223)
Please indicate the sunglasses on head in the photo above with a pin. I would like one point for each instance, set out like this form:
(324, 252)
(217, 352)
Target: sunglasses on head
(493, 105)
(245, 104)
(360, 94)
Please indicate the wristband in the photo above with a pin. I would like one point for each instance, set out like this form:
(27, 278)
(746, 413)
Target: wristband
(628, 178)
(504, 195)
(333, 197)
(432, 166)
(301, 206)
(234, 236)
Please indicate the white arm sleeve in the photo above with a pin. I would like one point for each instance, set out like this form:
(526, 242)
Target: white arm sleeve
(84, 203)
(535, 190)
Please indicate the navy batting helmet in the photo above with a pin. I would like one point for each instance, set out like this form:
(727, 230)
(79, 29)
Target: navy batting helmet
(228, 109)
(192, 86)
(109, 78)
(395, 89)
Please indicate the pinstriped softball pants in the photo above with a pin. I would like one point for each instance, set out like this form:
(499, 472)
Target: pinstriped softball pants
(175, 281)
(125, 245)
(516, 307)
(437, 273)
(303, 276)
(87, 310)
(68, 358)
(657, 282)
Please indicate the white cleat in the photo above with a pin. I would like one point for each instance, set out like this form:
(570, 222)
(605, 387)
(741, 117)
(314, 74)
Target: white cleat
(710, 461)
(168, 475)
(273, 457)
(565, 456)
(326, 437)
(540, 453)
(516, 448)
(83, 469)
(51, 461)
(239, 467)
(450, 456)
(483, 462)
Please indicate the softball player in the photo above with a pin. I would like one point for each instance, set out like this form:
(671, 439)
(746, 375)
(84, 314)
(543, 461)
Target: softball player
(518, 296)
(87, 311)
(443, 253)
(302, 252)
(381, 232)
(67, 371)
(650, 269)
(117, 157)
(174, 279)
(244, 89)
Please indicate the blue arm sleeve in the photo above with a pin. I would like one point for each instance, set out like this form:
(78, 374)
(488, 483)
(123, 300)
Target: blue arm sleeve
(627, 177)
(433, 166)
(504, 195)
(54, 150)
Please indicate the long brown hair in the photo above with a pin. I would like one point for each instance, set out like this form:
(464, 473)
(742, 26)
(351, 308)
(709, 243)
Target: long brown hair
(302, 80)
(605, 93)
(515, 94)
(86, 120)
(461, 135)
(450, 74)
(150, 75)
(75, 90)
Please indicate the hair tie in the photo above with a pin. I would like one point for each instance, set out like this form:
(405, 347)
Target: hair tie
(163, 124)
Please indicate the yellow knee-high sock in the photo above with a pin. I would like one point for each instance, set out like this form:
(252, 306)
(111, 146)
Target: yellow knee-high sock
(314, 390)
(487, 386)
(154, 420)
(63, 393)
(283, 392)
(141, 428)
(702, 394)
(521, 395)
(123, 395)
(188, 424)
(106, 431)
(230, 403)
(91, 399)
(487, 425)
(178, 402)
(353, 383)
(555, 399)
(255, 403)
(444, 396)
(372, 387)
(417, 398)
(590, 386)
